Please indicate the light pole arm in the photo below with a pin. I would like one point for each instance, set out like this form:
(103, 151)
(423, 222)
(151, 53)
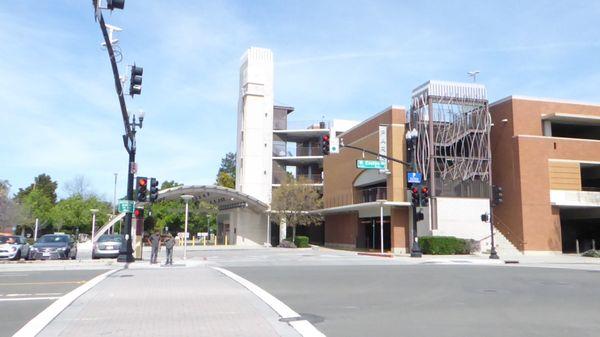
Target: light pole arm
(115, 69)
(377, 154)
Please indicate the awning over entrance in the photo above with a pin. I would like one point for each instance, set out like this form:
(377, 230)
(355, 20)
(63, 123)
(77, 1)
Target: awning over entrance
(224, 198)
(363, 206)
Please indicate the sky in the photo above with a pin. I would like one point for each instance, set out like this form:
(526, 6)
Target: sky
(59, 112)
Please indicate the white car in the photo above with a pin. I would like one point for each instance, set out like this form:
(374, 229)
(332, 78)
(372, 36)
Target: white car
(13, 247)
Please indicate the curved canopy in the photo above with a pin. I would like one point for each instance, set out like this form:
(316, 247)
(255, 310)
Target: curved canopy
(224, 198)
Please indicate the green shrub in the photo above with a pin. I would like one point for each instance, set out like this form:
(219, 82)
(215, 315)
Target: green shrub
(301, 242)
(591, 253)
(444, 245)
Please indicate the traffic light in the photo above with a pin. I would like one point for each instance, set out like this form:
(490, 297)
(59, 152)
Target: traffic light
(497, 195)
(135, 81)
(424, 196)
(415, 197)
(138, 213)
(153, 189)
(325, 144)
(141, 186)
(112, 4)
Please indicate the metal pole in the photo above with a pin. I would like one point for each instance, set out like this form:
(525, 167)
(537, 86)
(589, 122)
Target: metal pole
(37, 222)
(185, 231)
(381, 225)
(415, 250)
(126, 253)
(93, 225)
(115, 197)
(493, 254)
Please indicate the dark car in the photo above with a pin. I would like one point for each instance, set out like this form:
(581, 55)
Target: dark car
(54, 247)
(108, 245)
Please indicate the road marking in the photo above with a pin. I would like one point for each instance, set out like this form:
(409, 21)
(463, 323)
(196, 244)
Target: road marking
(39, 322)
(12, 275)
(28, 298)
(13, 295)
(304, 327)
(41, 283)
(47, 294)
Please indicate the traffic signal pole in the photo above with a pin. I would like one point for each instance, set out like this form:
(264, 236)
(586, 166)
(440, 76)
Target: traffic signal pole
(126, 252)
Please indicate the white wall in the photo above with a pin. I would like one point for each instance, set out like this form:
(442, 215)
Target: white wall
(461, 217)
(255, 125)
(247, 228)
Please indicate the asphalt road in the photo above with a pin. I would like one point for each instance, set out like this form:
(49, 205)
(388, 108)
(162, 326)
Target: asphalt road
(436, 300)
(25, 294)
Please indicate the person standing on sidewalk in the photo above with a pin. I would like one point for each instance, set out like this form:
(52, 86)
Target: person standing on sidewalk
(154, 242)
(169, 244)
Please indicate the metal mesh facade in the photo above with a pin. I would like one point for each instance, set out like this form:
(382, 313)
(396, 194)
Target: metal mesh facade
(453, 150)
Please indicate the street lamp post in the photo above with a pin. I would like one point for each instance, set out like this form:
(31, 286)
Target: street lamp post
(94, 211)
(411, 139)
(187, 199)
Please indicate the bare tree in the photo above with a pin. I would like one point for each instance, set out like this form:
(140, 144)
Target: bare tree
(79, 185)
(295, 203)
(10, 211)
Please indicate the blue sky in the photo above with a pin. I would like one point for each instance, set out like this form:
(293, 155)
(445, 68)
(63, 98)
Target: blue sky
(59, 113)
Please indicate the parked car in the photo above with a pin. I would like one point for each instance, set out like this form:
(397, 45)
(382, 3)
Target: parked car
(53, 247)
(13, 247)
(107, 245)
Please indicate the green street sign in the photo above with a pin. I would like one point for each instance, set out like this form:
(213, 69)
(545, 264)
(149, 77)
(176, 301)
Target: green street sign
(370, 164)
(126, 206)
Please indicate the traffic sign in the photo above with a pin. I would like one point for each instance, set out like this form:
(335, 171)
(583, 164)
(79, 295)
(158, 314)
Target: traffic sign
(370, 164)
(414, 177)
(126, 206)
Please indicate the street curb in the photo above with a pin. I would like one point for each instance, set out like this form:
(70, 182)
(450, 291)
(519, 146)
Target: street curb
(375, 254)
(304, 327)
(39, 322)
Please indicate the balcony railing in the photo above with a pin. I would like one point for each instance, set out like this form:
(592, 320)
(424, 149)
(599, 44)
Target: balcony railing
(309, 178)
(299, 125)
(296, 151)
(374, 194)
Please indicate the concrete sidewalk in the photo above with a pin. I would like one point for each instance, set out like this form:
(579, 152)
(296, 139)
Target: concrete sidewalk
(168, 301)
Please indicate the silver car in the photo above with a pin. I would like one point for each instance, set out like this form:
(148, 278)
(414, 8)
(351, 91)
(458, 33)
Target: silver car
(13, 247)
(107, 245)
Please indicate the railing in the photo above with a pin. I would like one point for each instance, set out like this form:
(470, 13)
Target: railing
(299, 125)
(309, 178)
(373, 194)
(296, 151)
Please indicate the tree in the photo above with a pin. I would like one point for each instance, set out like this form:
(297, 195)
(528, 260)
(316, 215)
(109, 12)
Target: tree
(42, 182)
(225, 180)
(35, 205)
(10, 212)
(73, 214)
(293, 203)
(226, 173)
(79, 185)
(171, 214)
(168, 184)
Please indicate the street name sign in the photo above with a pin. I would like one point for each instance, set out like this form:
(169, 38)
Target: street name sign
(126, 206)
(370, 164)
(414, 177)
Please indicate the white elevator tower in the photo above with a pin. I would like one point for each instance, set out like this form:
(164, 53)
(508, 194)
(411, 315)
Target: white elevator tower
(254, 164)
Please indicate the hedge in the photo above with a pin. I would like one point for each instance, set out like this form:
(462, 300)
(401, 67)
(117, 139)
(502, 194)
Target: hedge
(301, 242)
(444, 245)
